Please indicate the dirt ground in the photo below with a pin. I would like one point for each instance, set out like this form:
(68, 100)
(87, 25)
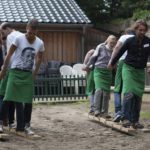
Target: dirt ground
(67, 127)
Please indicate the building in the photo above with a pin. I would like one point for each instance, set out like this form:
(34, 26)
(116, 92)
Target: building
(62, 25)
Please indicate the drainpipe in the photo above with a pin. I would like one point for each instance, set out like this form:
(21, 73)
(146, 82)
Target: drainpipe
(83, 43)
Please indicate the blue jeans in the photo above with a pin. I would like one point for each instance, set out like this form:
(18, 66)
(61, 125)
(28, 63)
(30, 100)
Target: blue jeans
(117, 103)
(91, 98)
(131, 107)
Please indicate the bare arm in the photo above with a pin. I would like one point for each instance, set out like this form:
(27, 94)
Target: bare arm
(114, 53)
(6, 61)
(88, 55)
(38, 60)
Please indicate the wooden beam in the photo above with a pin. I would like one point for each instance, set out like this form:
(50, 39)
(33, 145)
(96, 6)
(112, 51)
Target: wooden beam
(113, 125)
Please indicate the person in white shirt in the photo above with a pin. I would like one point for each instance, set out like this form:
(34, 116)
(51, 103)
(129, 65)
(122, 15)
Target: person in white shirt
(118, 77)
(21, 77)
(8, 35)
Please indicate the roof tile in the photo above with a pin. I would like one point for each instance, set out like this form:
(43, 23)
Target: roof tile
(49, 11)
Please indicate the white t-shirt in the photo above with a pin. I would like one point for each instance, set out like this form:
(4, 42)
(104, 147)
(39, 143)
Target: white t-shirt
(10, 38)
(122, 40)
(25, 52)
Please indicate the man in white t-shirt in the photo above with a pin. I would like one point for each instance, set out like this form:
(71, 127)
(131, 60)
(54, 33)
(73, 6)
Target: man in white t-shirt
(21, 76)
(118, 78)
(8, 35)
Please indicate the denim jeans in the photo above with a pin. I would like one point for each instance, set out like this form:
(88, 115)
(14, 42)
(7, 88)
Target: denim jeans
(117, 103)
(131, 107)
(98, 100)
(91, 98)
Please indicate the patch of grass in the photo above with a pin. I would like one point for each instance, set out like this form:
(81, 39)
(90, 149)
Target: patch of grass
(145, 115)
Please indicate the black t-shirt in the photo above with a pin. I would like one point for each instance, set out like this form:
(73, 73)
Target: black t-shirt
(137, 54)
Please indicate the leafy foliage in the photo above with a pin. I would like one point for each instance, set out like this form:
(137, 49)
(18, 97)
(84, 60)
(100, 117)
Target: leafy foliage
(141, 14)
(100, 11)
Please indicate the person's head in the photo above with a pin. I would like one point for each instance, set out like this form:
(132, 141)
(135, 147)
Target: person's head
(140, 27)
(31, 29)
(5, 29)
(129, 31)
(111, 41)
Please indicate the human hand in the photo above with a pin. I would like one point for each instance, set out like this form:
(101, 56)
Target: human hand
(148, 70)
(85, 69)
(109, 66)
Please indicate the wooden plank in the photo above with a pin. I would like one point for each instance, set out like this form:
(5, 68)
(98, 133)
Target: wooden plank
(113, 125)
(3, 136)
(23, 134)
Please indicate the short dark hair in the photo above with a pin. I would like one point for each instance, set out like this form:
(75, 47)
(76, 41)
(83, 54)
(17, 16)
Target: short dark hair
(6, 25)
(33, 23)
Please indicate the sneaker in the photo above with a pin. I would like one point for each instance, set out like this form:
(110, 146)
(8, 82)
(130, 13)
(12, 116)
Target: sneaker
(106, 115)
(117, 118)
(91, 112)
(139, 126)
(12, 126)
(127, 124)
(97, 114)
(28, 131)
(1, 129)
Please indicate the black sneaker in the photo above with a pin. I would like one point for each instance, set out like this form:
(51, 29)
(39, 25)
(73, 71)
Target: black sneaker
(97, 114)
(139, 126)
(127, 124)
(117, 118)
(106, 115)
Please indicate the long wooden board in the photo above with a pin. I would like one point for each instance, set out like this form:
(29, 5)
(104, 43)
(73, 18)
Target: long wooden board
(113, 125)
(23, 134)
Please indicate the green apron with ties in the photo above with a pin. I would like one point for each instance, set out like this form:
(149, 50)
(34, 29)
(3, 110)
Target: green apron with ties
(102, 79)
(19, 86)
(133, 80)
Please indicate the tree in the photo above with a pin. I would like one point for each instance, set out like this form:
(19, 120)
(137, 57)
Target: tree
(100, 11)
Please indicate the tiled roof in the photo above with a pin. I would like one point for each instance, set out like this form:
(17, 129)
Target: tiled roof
(46, 11)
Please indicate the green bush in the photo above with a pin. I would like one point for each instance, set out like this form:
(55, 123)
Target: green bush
(141, 14)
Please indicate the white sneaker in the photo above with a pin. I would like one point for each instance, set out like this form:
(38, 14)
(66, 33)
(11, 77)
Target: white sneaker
(1, 129)
(28, 131)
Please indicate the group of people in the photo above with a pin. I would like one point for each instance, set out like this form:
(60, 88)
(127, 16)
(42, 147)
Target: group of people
(132, 50)
(22, 56)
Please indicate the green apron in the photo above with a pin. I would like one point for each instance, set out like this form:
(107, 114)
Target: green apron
(133, 80)
(19, 86)
(90, 86)
(118, 77)
(102, 79)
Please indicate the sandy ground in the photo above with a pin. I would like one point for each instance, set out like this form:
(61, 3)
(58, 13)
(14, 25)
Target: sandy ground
(67, 127)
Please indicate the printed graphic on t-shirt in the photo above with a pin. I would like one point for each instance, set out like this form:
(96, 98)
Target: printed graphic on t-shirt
(27, 58)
